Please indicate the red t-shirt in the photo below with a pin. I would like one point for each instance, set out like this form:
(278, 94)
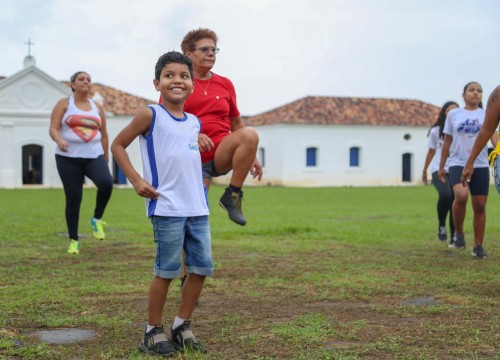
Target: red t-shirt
(214, 103)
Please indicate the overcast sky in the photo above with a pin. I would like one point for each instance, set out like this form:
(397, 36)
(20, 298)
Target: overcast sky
(274, 51)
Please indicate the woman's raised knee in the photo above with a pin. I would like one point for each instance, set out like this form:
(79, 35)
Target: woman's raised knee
(250, 135)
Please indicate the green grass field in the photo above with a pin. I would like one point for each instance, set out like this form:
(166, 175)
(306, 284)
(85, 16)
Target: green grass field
(327, 273)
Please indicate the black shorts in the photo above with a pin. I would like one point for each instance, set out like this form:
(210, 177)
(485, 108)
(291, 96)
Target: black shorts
(479, 183)
(208, 170)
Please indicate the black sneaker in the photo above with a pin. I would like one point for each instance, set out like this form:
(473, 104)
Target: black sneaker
(479, 252)
(183, 338)
(231, 201)
(460, 241)
(156, 343)
(442, 233)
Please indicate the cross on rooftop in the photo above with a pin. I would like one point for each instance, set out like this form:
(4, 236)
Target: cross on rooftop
(29, 43)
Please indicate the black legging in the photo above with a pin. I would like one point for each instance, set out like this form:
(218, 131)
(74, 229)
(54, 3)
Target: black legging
(445, 200)
(72, 172)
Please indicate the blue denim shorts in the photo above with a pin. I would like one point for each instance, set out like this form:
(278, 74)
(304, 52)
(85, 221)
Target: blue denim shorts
(171, 235)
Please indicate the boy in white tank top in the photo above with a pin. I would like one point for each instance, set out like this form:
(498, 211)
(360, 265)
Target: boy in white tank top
(176, 200)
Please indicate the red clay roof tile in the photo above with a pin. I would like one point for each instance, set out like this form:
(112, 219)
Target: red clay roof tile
(116, 101)
(349, 111)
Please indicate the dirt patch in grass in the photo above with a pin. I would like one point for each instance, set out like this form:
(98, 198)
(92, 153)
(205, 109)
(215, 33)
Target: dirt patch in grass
(262, 307)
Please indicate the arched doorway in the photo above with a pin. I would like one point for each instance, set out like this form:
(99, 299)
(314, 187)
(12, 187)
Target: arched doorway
(407, 159)
(32, 164)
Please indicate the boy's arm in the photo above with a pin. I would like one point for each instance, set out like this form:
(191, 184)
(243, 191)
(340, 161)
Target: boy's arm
(139, 125)
(104, 131)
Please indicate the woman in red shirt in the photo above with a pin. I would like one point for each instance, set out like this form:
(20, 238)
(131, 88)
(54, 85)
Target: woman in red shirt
(225, 142)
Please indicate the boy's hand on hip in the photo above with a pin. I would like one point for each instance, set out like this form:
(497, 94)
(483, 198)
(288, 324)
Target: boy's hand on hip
(142, 188)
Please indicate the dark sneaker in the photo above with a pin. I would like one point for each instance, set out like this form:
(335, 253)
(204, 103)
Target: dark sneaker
(460, 241)
(155, 342)
(231, 201)
(451, 245)
(182, 337)
(442, 233)
(479, 252)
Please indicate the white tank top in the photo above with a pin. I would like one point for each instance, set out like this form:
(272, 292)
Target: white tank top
(171, 162)
(80, 129)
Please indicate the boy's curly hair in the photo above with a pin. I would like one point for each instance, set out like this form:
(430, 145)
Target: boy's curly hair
(173, 57)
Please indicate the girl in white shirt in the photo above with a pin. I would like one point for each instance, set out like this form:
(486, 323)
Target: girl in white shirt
(461, 129)
(444, 190)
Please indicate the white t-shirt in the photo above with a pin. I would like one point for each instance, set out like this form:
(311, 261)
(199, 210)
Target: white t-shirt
(464, 125)
(436, 143)
(171, 162)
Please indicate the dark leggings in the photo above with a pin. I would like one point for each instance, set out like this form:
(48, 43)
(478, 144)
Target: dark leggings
(445, 200)
(72, 172)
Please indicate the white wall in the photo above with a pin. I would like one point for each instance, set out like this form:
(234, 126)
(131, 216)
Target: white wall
(285, 152)
(382, 148)
(17, 130)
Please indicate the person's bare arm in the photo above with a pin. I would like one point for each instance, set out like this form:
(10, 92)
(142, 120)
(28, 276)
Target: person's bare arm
(236, 123)
(487, 132)
(428, 159)
(140, 124)
(205, 143)
(494, 139)
(445, 152)
(55, 124)
(256, 170)
(104, 131)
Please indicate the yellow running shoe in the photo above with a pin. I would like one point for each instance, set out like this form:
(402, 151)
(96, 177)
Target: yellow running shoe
(97, 227)
(74, 247)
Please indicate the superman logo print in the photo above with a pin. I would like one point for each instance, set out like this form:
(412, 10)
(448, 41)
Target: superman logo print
(84, 126)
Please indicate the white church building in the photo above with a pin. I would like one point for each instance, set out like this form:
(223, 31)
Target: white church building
(26, 102)
(314, 141)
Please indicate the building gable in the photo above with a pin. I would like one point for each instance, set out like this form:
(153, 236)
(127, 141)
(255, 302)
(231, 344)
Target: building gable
(30, 89)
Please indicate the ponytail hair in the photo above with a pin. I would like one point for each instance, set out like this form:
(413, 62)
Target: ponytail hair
(441, 119)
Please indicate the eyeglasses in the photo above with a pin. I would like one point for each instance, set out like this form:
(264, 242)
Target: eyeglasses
(207, 49)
